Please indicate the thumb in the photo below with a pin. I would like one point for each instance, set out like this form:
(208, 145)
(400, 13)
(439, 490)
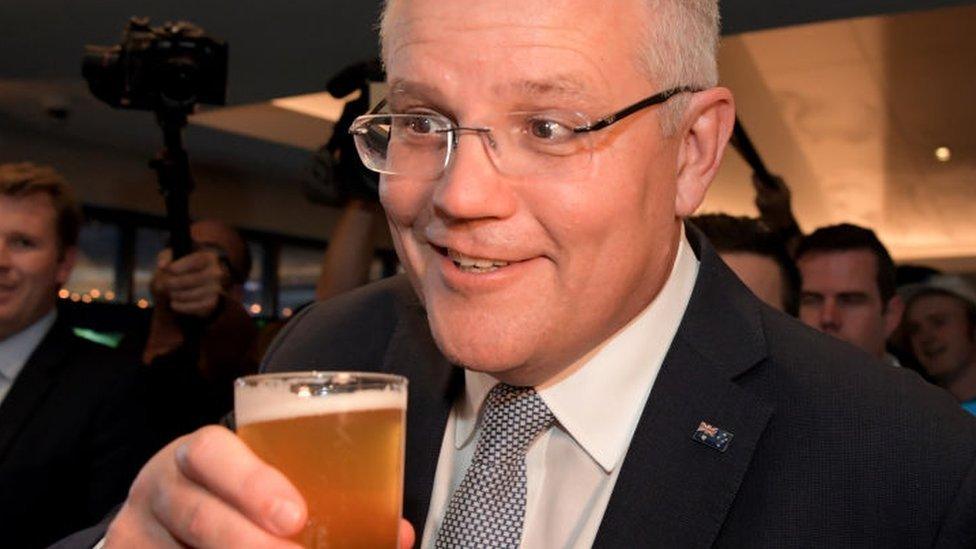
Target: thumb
(164, 258)
(407, 535)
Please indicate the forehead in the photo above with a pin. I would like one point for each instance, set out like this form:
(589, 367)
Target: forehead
(851, 269)
(511, 47)
(935, 304)
(30, 212)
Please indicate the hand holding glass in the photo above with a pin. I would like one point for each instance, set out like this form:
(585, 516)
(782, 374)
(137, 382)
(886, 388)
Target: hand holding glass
(339, 438)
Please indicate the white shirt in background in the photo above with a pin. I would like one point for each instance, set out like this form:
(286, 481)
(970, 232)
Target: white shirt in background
(17, 349)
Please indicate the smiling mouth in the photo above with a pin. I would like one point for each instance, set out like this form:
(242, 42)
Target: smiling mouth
(932, 353)
(474, 265)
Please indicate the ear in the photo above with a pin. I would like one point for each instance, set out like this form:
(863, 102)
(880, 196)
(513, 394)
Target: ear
(66, 265)
(708, 122)
(893, 314)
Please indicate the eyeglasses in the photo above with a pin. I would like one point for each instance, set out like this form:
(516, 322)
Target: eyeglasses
(550, 143)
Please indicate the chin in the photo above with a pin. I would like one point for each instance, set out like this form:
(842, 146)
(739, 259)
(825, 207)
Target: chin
(488, 347)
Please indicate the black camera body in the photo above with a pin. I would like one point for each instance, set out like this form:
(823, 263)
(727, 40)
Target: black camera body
(171, 67)
(337, 174)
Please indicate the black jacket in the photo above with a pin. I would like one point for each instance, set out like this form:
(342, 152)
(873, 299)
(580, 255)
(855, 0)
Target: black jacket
(830, 447)
(72, 428)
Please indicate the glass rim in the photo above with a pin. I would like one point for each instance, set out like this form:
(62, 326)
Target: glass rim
(320, 375)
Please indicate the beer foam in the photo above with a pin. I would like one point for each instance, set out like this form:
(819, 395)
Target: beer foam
(255, 404)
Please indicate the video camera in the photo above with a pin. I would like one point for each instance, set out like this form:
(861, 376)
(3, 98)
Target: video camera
(173, 66)
(168, 70)
(337, 174)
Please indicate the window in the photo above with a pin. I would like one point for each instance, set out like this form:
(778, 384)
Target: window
(94, 275)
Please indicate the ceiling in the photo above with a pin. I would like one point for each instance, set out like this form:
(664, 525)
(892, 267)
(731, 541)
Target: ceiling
(849, 111)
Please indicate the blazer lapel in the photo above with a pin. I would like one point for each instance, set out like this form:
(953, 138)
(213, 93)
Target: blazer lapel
(33, 384)
(673, 490)
(434, 385)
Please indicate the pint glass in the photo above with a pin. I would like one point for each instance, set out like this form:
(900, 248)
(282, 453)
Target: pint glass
(339, 438)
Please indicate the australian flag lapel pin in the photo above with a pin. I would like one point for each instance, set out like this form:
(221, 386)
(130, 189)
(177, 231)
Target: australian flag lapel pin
(710, 435)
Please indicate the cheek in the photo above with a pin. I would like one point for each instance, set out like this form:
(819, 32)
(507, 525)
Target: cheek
(399, 200)
(406, 204)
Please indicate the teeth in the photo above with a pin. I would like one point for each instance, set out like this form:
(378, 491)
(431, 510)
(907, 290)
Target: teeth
(475, 264)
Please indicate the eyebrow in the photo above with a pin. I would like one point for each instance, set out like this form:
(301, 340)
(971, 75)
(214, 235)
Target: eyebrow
(400, 87)
(563, 86)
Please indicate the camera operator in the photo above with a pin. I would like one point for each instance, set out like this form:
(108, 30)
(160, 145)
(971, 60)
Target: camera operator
(200, 336)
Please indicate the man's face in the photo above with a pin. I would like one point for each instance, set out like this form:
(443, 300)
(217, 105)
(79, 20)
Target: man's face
(31, 267)
(760, 274)
(840, 297)
(581, 255)
(940, 334)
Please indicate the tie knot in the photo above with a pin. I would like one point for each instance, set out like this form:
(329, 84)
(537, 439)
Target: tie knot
(514, 417)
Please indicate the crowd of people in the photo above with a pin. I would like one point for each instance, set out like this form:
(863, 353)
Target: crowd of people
(841, 280)
(545, 290)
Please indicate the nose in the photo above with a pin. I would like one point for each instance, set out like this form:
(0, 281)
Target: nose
(829, 316)
(925, 335)
(4, 255)
(472, 187)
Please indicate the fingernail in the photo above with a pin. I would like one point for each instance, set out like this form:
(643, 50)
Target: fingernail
(285, 516)
(181, 451)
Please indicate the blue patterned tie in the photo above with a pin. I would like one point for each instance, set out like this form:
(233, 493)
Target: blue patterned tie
(489, 505)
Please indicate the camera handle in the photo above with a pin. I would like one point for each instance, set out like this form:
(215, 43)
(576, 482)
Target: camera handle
(175, 182)
(172, 168)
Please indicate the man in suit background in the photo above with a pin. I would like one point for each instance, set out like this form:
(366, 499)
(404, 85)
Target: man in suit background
(70, 422)
(847, 287)
(538, 163)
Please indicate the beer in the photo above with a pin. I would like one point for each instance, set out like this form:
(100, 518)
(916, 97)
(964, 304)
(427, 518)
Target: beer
(339, 438)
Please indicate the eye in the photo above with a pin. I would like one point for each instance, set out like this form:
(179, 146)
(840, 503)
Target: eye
(547, 129)
(420, 125)
(810, 300)
(22, 242)
(853, 300)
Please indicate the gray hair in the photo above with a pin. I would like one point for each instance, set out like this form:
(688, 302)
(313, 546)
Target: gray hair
(680, 48)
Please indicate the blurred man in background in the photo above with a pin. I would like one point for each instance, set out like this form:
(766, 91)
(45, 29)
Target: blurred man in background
(71, 417)
(757, 256)
(201, 337)
(848, 287)
(940, 325)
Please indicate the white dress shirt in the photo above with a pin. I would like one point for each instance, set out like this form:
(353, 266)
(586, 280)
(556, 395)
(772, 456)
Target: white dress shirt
(572, 467)
(17, 349)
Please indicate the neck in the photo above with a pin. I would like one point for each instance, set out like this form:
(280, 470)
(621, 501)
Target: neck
(962, 384)
(9, 330)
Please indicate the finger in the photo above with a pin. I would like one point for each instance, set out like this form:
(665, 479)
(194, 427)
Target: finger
(216, 459)
(130, 528)
(199, 519)
(198, 309)
(196, 261)
(164, 258)
(407, 535)
(196, 279)
(205, 293)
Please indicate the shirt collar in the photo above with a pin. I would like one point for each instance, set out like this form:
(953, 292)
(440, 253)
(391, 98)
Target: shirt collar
(600, 404)
(17, 349)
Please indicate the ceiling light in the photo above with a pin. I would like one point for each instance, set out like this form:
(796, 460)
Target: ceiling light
(943, 154)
